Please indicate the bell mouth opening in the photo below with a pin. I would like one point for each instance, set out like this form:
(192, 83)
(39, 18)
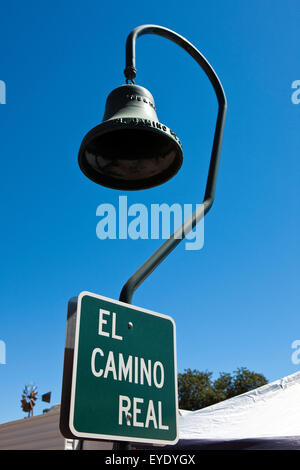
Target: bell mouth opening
(130, 159)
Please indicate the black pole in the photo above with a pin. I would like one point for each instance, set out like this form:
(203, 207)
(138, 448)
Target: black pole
(130, 73)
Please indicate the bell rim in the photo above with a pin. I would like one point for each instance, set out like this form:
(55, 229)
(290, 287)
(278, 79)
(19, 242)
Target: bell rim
(130, 123)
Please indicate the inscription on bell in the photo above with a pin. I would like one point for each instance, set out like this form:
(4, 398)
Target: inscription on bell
(140, 98)
(145, 122)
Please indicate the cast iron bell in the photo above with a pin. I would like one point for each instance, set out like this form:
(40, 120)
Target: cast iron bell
(130, 149)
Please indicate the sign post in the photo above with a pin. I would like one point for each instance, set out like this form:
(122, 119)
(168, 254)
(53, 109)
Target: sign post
(124, 379)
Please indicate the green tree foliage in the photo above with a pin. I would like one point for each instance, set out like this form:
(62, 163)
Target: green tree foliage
(197, 389)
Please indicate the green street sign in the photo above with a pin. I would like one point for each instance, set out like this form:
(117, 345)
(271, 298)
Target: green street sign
(124, 378)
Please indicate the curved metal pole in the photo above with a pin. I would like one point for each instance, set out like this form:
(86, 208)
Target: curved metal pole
(130, 72)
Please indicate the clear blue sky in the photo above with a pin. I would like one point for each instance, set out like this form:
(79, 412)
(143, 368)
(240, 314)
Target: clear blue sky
(235, 302)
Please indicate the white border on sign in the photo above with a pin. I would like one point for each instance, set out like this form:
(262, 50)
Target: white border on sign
(74, 374)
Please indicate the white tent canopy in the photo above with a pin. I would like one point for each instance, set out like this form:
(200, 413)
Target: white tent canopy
(265, 418)
(271, 411)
